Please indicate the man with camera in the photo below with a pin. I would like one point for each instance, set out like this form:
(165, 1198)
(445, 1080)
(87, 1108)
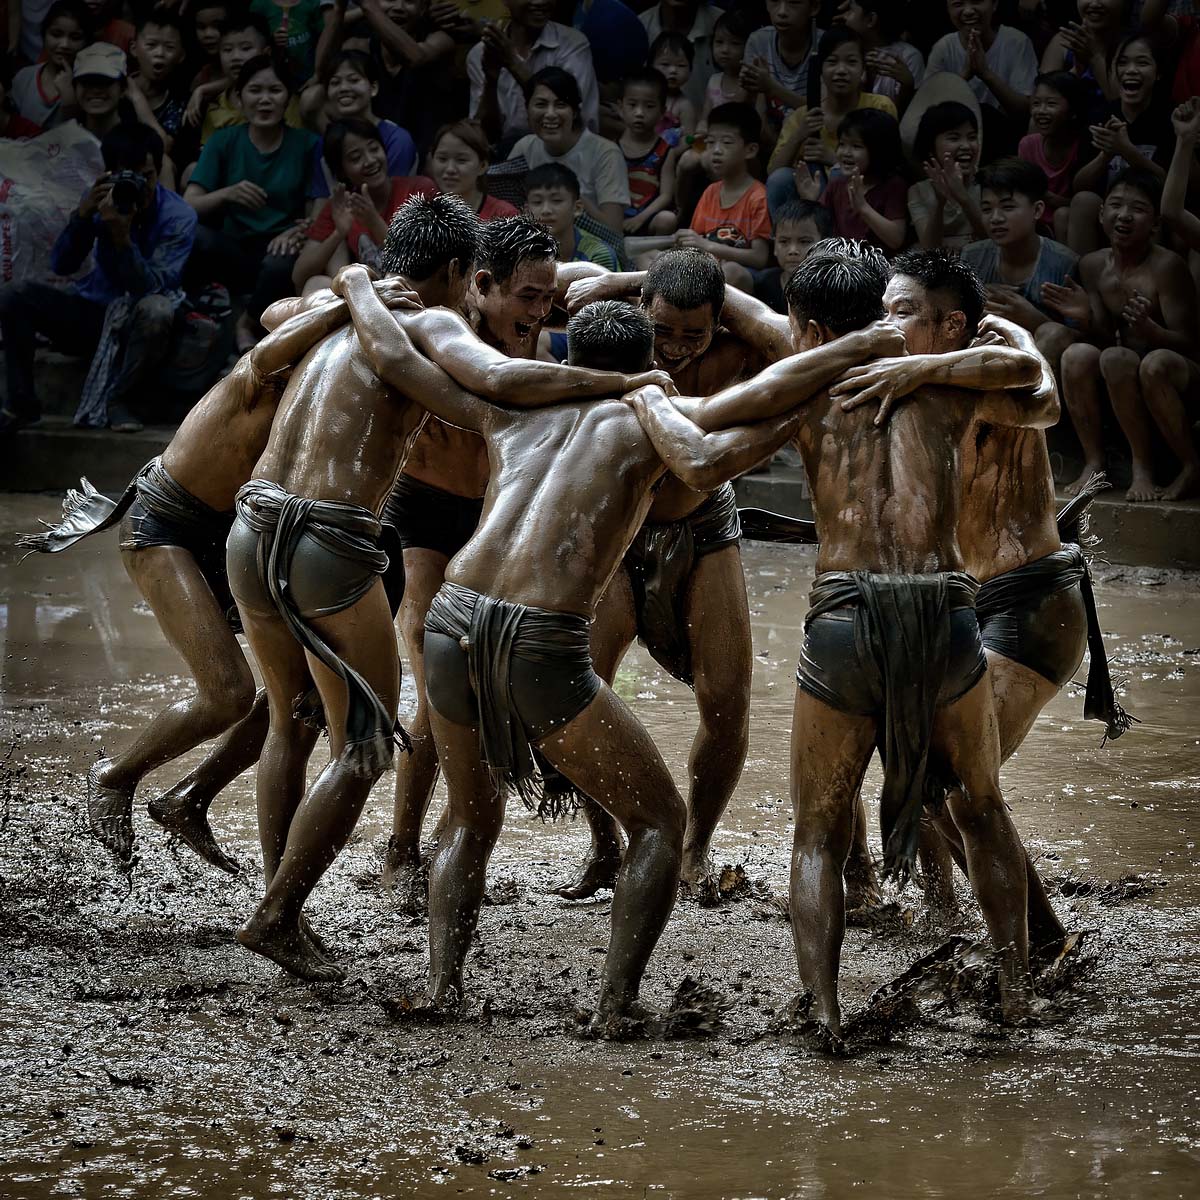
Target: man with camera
(140, 235)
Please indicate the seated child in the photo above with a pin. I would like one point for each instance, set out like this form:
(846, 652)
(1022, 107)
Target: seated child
(552, 199)
(1015, 261)
(728, 50)
(867, 198)
(896, 67)
(42, 92)
(649, 156)
(1137, 311)
(1055, 141)
(798, 227)
(944, 206)
(672, 55)
(731, 220)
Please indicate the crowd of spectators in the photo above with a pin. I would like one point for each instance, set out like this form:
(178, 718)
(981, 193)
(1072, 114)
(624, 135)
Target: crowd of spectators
(250, 150)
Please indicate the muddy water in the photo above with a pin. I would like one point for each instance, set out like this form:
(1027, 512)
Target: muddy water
(142, 1053)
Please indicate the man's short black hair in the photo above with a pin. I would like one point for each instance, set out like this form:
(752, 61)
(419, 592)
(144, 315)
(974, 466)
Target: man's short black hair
(125, 147)
(239, 18)
(686, 279)
(839, 285)
(506, 243)
(1014, 177)
(362, 64)
(646, 77)
(164, 18)
(272, 61)
(741, 118)
(552, 175)
(562, 83)
(796, 212)
(76, 10)
(938, 270)
(426, 234)
(1149, 185)
(610, 335)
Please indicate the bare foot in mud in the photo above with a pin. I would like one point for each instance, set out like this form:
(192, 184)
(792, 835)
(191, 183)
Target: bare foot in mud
(188, 821)
(624, 1023)
(318, 943)
(599, 870)
(1185, 485)
(821, 1038)
(110, 815)
(407, 878)
(1089, 472)
(289, 946)
(1141, 487)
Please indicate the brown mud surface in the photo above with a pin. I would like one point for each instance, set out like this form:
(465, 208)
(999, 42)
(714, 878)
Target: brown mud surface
(143, 1053)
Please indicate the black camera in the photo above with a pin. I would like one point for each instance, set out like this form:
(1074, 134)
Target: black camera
(128, 188)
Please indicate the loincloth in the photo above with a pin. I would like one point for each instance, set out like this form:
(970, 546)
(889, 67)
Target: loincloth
(762, 525)
(313, 558)
(519, 673)
(660, 562)
(898, 648)
(430, 518)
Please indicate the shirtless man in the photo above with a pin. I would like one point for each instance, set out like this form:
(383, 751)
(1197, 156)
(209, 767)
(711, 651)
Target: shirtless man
(892, 645)
(439, 496)
(507, 640)
(174, 519)
(1035, 607)
(682, 590)
(304, 559)
(1136, 311)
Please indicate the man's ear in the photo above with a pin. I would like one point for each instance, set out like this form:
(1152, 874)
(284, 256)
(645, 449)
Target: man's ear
(751, 150)
(956, 324)
(579, 208)
(483, 281)
(814, 332)
(1039, 208)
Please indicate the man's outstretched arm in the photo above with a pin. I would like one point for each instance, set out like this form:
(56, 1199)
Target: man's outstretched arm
(793, 381)
(764, 330)
(703, 460)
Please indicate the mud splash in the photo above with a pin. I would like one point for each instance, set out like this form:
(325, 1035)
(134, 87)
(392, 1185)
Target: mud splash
(144, 1054)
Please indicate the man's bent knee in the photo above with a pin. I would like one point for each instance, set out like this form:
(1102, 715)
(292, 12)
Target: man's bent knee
(1161, 368)
(1118, 361)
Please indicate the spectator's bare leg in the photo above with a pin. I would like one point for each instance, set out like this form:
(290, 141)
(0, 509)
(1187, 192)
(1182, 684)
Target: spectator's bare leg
(1166, 378)
(1081, 394)
(1119, 367)
(1052, 340)
(1083, 223)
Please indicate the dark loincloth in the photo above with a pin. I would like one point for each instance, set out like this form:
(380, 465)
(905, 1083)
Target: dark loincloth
(660, 562)
(161, 513)
(517, 672)
(903, 647)
(762, 525)
(431, 518)
(314, 558)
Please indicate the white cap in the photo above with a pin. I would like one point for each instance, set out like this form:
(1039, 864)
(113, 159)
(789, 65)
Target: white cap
(100, 60)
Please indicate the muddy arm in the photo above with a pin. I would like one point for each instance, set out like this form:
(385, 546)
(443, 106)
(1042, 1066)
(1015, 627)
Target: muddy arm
(703, 460)
(765, 331)
(292, 340)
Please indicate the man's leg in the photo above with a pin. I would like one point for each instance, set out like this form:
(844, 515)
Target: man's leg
(1081, 394)
(613, 631)
(607, 753)
(718, 628)
(1052, 340)
(192, 622)
(966, 735)
(1166, 378)
(862, 880)
(146, 345)
(363, 637)
(424, 572)
(1119, 367)
(830, 752)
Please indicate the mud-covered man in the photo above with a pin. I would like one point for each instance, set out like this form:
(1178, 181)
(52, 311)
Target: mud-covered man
(892, 650)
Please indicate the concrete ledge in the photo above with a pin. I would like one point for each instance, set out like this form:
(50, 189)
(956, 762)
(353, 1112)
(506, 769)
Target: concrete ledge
(1136, 535)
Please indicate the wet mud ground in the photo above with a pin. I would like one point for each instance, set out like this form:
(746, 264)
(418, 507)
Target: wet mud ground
(143, 1053)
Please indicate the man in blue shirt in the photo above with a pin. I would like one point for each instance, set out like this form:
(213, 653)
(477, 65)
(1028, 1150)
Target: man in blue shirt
(140, 235)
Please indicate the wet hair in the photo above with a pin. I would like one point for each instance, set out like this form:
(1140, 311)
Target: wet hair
(561, 83)
(610, 335)
(667, 40)
(553, 175)
(273, 62)
(892, 15)
(735, 23)
(1149, 185)
(938, 119)
(470, 133)
(362, 64)
(880, 133)
(333, 148)
(1015, 176)
(938, 270)
(237, 20)
(796, 212)
(164, 18)
(75, 10)
(125, 147)
(509, 241)
(834, 39)
(741, 118)
(646, 77)
(686, 279)
(1073, 90)
(426, 234)
(839, 285)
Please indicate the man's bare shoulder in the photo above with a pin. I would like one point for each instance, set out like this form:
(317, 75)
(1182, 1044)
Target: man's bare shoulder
(1090, 265)
(733, 355)
(434, 322)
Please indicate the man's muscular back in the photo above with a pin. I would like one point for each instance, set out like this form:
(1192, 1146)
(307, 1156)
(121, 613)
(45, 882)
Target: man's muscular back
(339, 434)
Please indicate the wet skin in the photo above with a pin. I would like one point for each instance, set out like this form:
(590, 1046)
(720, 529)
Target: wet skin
(211, 455)
(885, 500)
(551, 539)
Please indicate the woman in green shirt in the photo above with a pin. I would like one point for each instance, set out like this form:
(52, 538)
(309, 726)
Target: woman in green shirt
(250, 190)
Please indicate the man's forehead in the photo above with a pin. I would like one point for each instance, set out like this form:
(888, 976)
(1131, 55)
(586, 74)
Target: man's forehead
(533, 273)
(905, 287)
(665, 313)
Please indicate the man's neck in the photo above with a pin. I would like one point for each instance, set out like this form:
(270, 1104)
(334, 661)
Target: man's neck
(1131, 257)
(154, 93)
(636, 145)
(566, 245)
(523, 37)
(795, 45)
(732, 190)
(1023, 254)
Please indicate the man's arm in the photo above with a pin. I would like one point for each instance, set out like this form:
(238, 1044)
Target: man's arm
(580, 283)
(291, 341)
(703, 460)
(765, 331)
(162, 271)
(791, 382)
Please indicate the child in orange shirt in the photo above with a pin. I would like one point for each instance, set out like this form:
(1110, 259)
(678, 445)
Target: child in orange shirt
(731, 220)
